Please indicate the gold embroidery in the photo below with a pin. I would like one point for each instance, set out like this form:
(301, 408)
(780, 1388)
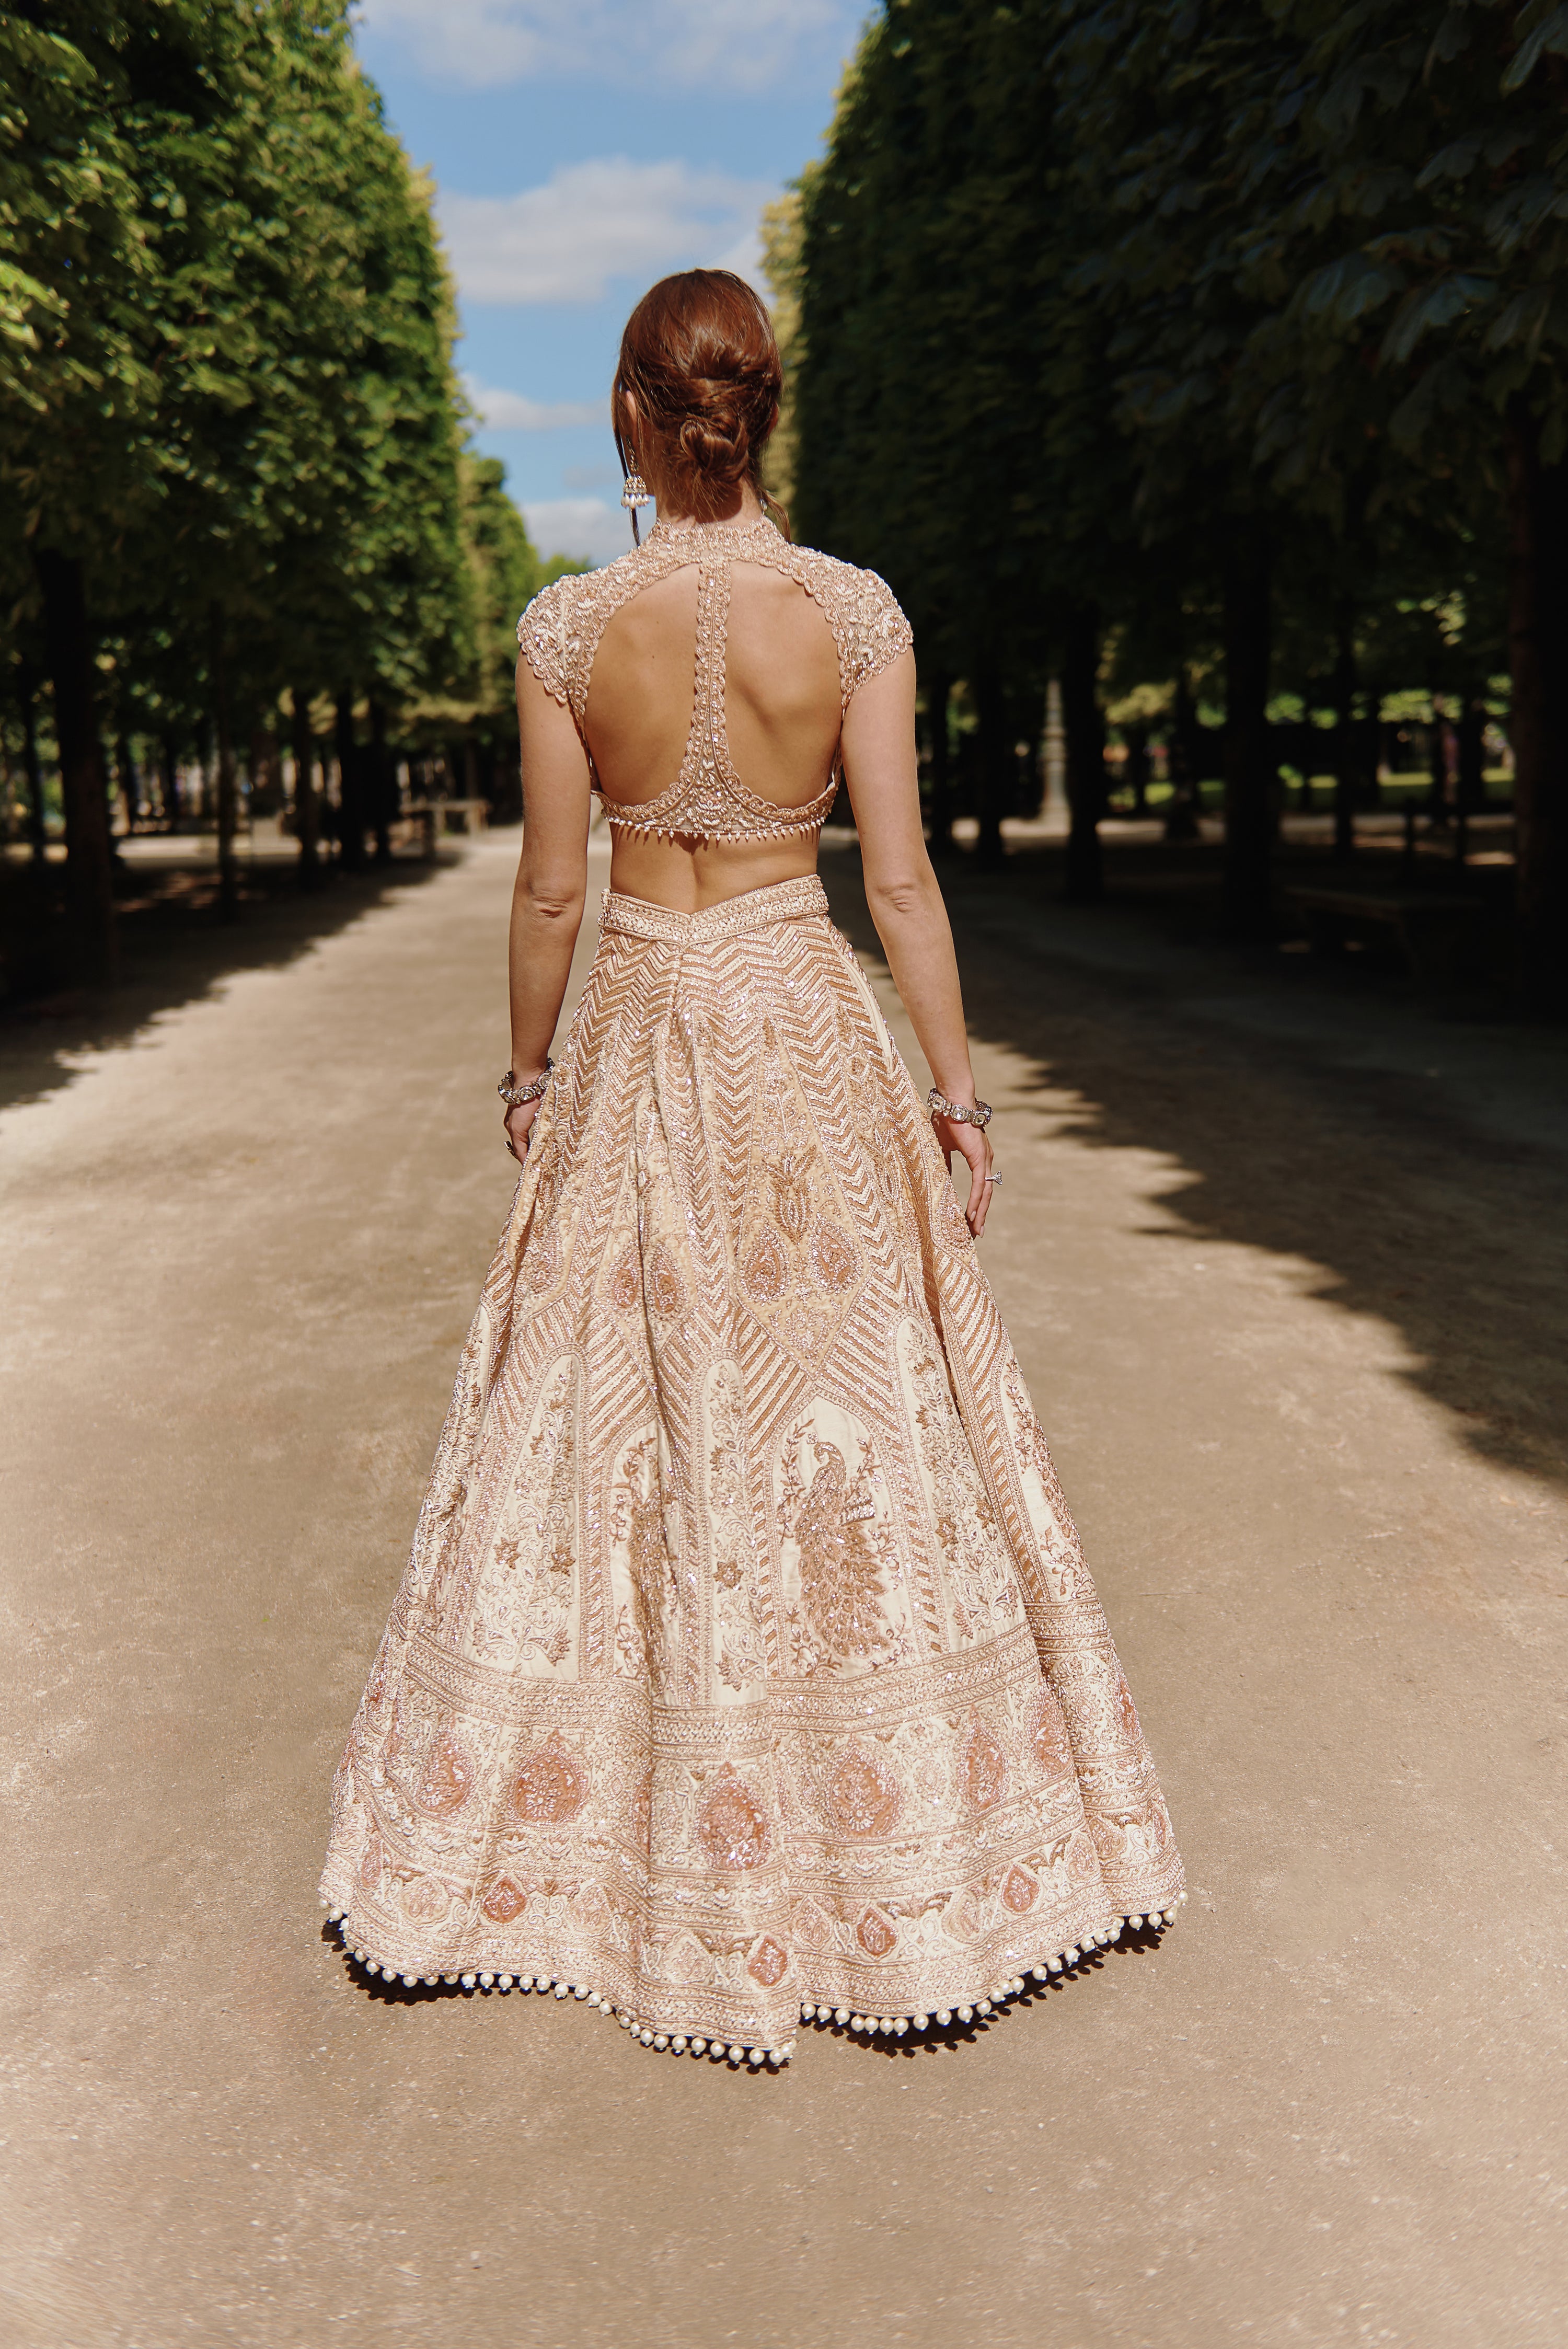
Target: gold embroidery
(558, 635)
(746, 1653)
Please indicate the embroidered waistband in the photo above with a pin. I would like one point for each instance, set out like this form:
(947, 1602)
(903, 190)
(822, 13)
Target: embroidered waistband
(754, 909)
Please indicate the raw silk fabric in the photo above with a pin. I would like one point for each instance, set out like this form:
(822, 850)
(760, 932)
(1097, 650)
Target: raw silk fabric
(747, 1655)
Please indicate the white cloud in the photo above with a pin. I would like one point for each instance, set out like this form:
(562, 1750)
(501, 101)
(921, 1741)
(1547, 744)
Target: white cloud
(591, 221)
(726, 45)
(583, 526)
(508, 411)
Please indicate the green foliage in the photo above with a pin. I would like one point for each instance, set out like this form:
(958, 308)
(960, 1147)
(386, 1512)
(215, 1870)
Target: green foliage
(226, 361)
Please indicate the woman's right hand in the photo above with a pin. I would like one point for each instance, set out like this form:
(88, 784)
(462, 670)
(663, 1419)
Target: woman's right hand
(973, 1145)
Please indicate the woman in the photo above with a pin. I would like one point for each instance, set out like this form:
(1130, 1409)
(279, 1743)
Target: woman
(745, 1667)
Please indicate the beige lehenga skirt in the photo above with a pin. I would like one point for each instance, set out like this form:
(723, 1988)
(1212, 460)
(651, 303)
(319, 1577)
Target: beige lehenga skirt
(745, 1667)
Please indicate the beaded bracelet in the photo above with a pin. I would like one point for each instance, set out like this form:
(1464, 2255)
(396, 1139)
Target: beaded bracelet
(939, 1106)
(515, 1096)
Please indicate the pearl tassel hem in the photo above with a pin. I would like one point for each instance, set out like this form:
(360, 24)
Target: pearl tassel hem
(742, 2054)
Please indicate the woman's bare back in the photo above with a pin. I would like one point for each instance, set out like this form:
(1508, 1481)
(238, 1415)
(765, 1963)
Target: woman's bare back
(709, 675)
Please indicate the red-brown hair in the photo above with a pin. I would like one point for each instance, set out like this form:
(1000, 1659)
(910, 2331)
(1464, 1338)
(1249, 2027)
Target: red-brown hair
(699, 358)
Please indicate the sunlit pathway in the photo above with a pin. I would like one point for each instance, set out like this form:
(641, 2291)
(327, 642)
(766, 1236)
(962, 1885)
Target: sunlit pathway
(238, 1257)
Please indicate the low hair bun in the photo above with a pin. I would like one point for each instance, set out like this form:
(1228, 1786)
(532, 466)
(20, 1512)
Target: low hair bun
(700, 362)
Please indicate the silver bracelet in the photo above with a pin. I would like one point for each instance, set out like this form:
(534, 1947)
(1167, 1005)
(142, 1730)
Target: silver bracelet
(939, 1106)
(515, 1096)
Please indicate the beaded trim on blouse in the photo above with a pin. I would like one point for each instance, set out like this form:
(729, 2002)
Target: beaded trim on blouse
(558, 635)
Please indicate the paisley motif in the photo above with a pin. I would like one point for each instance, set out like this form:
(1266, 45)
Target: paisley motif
(833, 1262)
(731, 1826)
(875, 1935)
(766, 1269)
(504, 1902)
(446, 1779)
(733, 1666)
(984, 1769)
(863, 1797)
(552, 1784)
(768, 1963)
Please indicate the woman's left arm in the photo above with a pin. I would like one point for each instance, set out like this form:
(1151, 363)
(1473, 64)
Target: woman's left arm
(551, 885)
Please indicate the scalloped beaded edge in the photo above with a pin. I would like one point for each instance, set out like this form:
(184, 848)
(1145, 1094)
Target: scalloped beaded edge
(740, 2051)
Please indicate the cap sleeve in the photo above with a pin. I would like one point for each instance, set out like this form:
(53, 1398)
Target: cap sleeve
(544, 639)
(876, 634)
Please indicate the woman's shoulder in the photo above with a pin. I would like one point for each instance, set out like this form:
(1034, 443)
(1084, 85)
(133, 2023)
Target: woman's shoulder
(559, 629)
(867, 622)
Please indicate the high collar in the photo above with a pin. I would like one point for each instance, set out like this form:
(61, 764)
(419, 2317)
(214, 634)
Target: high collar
(712, 533)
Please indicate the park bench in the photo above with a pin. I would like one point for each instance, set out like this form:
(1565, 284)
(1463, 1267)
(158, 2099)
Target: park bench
(435, 816)
(1430, 932)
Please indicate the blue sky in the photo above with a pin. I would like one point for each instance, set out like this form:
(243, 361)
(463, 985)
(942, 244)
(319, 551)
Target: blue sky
(582, 149)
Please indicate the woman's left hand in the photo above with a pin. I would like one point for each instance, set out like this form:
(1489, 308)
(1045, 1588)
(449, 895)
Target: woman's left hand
(517, 1124)
(972, 1143)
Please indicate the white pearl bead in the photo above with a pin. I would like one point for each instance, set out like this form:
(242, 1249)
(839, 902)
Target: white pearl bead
(982, 2006)
(678, 2042)
(699, 2047)
(504, 1981)
(646, 2036)
(735, 2053)
(966, 2014)
(562, 1989)
(487, 1981)
(580, 1992)
(944, 2017)
(469, 1980)
(1070, 1957)
(755, 2054)
(661, 2040)
(922, 2022)
(1040, 1972)
(901, 2026)
(841, 2015)
(807, 2012)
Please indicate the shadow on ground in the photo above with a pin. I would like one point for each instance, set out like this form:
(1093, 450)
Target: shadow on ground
(1445, 1228)
(175, 949)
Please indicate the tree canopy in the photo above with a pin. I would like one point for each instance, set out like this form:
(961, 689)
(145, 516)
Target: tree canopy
(1216, 337)
(231, 444)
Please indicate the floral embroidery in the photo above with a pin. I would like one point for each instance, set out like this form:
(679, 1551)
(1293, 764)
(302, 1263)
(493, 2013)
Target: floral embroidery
(746, 1655)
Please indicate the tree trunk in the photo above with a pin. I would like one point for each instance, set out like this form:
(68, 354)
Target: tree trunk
(228, 796)
(991, 712)
(383, 788)
(1344, 754)
(169, 782)
(350, 789)
(308, 811)
(1084, 725)
(1438, 765)
(1181, 819)
(84, 783)
(937, 694)
(1248, 757)
(1135, 774)
(38, 823)
(129, 782)
(1538, 635)
(1472, 756)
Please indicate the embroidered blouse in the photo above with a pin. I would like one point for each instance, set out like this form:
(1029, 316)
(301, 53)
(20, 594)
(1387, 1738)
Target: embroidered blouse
(559, 632)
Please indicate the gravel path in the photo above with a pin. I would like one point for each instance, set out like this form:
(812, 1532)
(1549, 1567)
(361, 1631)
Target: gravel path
(1293, 1308)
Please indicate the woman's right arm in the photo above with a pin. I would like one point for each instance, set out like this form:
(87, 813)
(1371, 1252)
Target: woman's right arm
(551, 884)
(882, 770)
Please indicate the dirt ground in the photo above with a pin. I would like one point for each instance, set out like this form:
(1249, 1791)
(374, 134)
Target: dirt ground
(1284, 1260)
